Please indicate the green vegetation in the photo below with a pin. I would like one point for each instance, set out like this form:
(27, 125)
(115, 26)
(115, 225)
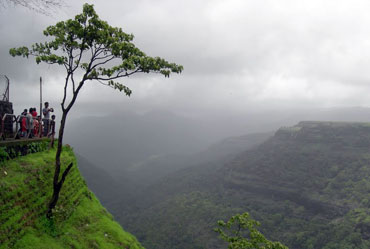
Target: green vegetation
(16, 148)
(308, 186)
(241, 233)
(79, 220)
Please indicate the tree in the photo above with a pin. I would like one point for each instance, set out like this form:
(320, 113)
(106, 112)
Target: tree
(92, 50)
(40, 6)
(242, 234)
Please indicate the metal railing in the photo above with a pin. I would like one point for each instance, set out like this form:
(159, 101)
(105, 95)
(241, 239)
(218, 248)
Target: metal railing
(15, 127)
(7, 125)
(5, 95)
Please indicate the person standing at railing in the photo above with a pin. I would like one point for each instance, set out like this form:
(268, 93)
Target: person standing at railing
(52, 126)
(30, 123)
(23, 122)
(52, 131)
(35, 122)
(34, 112)
(46, 112)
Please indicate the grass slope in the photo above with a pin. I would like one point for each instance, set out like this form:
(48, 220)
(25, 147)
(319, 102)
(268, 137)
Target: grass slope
(80, 221)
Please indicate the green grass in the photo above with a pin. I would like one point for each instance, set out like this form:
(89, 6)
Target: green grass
(79, 221)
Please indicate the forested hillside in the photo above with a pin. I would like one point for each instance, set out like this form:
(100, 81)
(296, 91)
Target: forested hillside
(308, 185)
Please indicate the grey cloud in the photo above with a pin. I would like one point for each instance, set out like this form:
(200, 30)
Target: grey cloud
(237, 54)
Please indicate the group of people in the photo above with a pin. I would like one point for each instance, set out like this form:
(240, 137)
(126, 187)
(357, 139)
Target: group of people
(30, 122)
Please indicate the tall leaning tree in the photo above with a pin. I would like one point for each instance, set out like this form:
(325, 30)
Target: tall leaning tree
(90, 50)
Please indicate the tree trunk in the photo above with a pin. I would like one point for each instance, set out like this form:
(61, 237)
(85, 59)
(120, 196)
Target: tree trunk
(57, 185)
(53, 200)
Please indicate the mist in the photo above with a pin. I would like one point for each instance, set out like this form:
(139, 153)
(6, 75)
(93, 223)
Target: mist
(182, 152)
(123, 140)
(248, 67)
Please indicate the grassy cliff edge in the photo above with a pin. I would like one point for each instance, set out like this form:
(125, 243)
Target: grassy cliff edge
(80, 221)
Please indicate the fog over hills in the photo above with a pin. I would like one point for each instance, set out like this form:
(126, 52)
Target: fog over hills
(308, 185)
(124, 152)
(125, 139)
(183, 152)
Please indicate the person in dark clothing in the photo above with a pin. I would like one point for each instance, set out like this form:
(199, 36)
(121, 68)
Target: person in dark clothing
(52, 126)
(30, 123)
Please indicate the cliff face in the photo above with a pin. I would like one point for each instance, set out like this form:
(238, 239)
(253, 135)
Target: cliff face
(80, 221)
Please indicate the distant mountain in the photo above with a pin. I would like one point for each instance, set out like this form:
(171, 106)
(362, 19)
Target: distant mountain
(227, 148)
(155, 168)
(308, 185)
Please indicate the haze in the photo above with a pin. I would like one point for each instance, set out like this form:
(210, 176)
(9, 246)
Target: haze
(249, 66)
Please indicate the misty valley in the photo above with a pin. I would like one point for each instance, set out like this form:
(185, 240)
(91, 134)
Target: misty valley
(307, 184)
(184, 124)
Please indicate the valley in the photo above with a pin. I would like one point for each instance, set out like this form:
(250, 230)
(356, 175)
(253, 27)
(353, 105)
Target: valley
(308, 185)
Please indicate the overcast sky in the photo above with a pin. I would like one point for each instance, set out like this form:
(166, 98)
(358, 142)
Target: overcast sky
(237, 55)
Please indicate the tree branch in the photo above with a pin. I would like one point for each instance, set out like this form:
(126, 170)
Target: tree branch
(103, 62)
(77, 64)
(105, 84)
(84, 78)
(119, 75)
(104, 57)
(73, 82)
(65, 173)
(65, 90)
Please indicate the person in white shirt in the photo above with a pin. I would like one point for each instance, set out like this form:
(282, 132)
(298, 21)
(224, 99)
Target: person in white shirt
(46, 112)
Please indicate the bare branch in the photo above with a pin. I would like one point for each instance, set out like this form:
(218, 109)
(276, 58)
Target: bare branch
(104, 57)
(45, 7)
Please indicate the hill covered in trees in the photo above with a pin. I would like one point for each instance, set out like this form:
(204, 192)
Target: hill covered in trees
(308, 185)
(80, 221)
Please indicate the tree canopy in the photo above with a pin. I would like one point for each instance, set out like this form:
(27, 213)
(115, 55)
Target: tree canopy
(112, 55)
